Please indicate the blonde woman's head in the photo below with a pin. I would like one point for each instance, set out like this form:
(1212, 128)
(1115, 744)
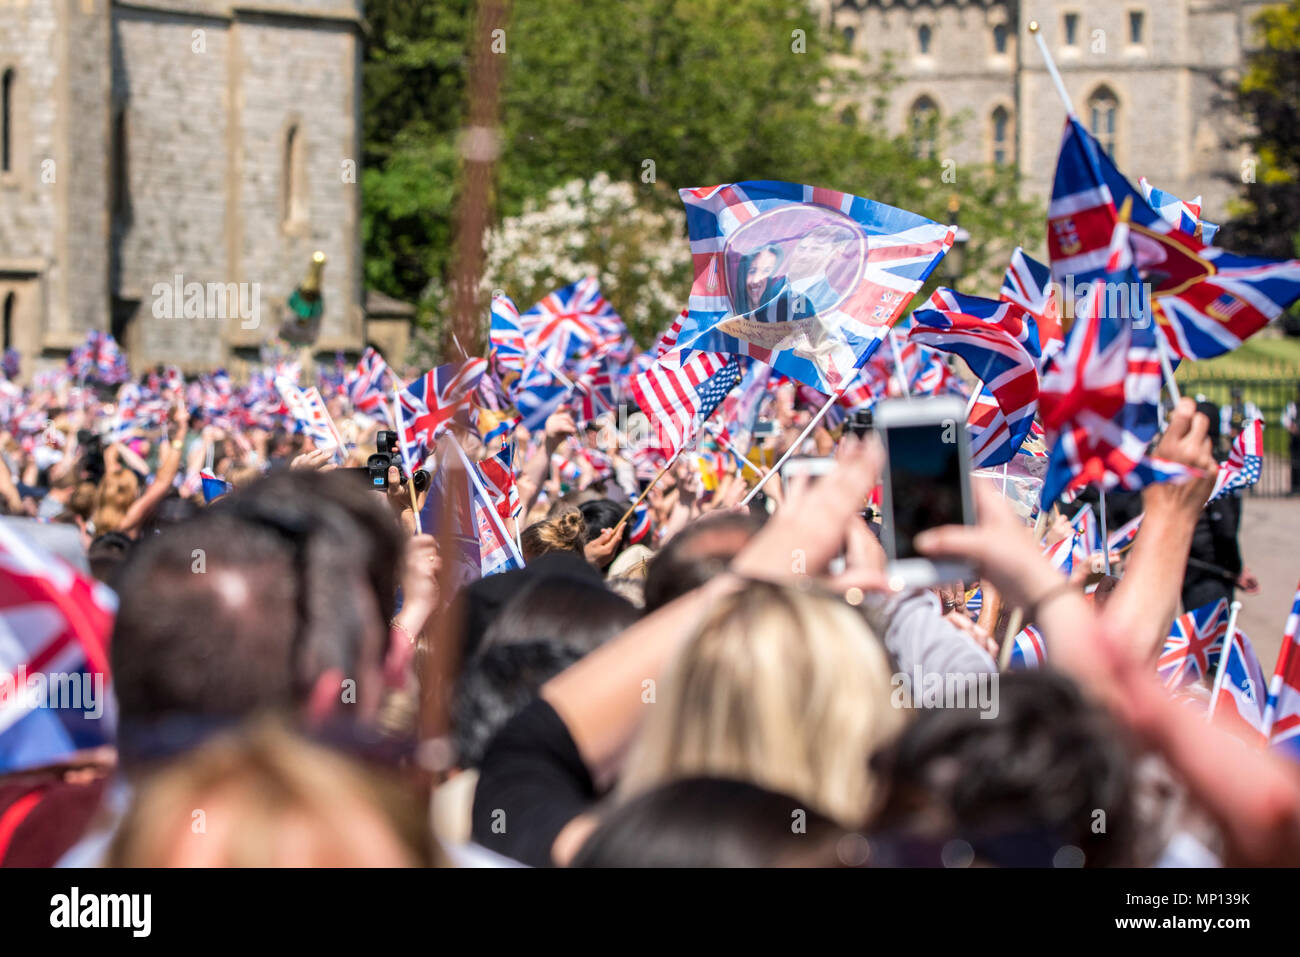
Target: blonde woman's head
(266, 797)
(113, 499)
(784, 688)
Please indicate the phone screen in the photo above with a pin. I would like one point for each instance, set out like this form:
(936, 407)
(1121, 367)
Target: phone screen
(925, 481)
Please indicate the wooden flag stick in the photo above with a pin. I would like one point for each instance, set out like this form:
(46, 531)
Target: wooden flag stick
(646, 491)
(1017, 613)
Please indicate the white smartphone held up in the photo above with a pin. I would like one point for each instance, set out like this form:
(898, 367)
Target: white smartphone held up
(926, 483)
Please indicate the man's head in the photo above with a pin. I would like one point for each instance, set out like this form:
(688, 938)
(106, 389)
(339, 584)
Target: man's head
(813, 252)
(695, 554)
(277, 599)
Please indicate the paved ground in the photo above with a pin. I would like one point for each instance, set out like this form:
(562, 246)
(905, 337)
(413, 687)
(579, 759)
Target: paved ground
(1270, 546)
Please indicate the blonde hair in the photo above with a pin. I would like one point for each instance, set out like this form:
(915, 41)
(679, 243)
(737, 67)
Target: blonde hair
(786, 689)
(269, 798)
(113, 499)
(565, 533)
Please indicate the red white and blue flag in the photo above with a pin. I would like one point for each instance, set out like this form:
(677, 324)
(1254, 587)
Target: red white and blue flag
(55, 625)
(1282, 712)
(807, 280)
(1240, 692)
(1191, 652)
(570, 326)
(311, 418)
(1186, 216)
(1028, 284)
(1245, 460)
(1028, 650)
(998, 341)
(1205, 300)
(499, 481)
(369, 384)
(678, 393)
(506, 338)
(1099, 394)
(427, 407)
(639, 531)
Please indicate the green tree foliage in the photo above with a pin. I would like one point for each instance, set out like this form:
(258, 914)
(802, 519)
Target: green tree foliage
(1269, 97)
(662, 94)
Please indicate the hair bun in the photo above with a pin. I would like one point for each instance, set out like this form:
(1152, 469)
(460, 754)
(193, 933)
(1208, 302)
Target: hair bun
(571, 528)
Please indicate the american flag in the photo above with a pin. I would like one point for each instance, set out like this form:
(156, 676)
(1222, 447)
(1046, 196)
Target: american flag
(678, 394)
(1028, 284)
(1186, 216)
(1028, 650)
(1245, 460)
(369, 384)
(1282, 711)
(55, 625)
(667, 342)
(1099, 393)
(815, 333)
(1205, 300)
(1191, 651)
(427, 406)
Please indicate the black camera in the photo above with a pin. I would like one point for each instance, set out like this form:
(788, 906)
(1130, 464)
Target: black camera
(389, 456)
(860, 423)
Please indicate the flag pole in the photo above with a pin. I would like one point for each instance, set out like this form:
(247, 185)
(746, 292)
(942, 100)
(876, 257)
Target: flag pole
(974, 397)
(406, 460)
(1051, 67)
(646, 491)
(1166, 367)
(1229, 637)
(727, 444)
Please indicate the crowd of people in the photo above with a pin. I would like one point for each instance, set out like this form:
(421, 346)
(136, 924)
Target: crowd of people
(297, 679)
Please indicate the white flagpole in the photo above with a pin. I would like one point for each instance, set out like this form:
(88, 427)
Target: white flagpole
(974, 397)
(1051, 67)
(1228, 639)
(727, 444)
(803, 436)
(1105, 536)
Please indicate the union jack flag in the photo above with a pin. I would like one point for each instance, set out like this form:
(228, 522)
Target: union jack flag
(572, 325)
(679, 393)
(1123, 537)
(506, 335)
(1240, 692)
(1282, 712)
(311, 418)
(369, 384)
(1245, 460)
(55, 625)
(1029, 650)
(998, 341)
(1205, 300)
(835, 271)
(427, 406)
(667, 342)
(1192, 650)
(1186, 216)
(499, 480)
(99, 358)
(1099, 393)
(1028, 284)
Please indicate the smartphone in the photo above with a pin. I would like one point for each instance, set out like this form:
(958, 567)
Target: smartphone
(926, 483)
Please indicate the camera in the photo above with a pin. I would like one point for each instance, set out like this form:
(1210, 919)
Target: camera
(860, 423)
(390, 456)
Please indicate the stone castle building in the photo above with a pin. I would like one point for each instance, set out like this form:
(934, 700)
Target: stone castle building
(1143, 75)
(145, 140)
